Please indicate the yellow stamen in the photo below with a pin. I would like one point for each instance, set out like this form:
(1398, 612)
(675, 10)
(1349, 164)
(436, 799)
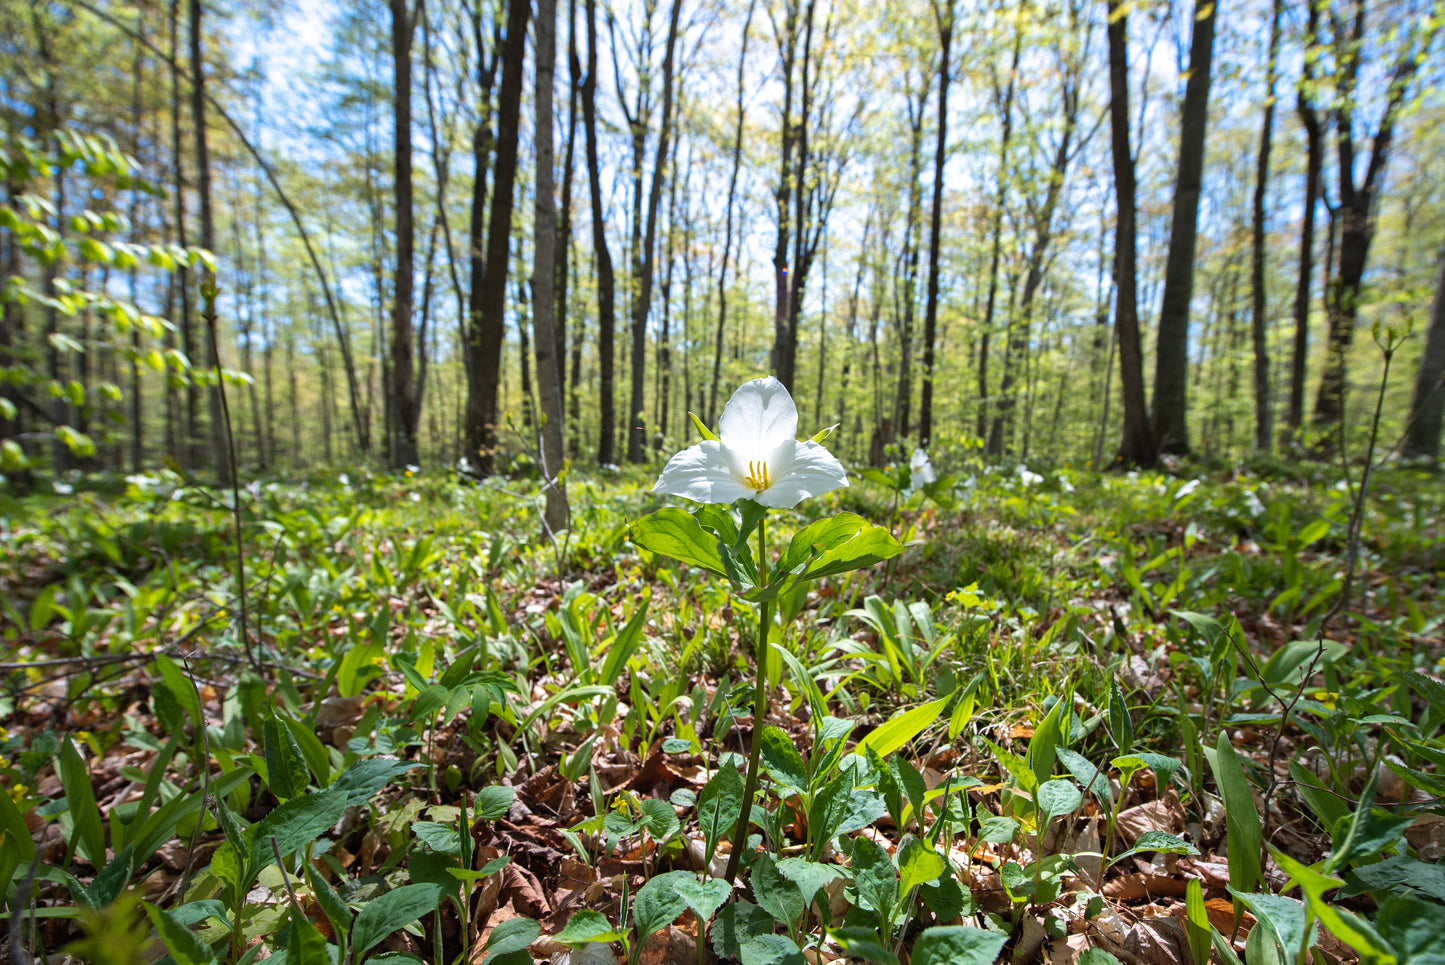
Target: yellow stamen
(757, 479)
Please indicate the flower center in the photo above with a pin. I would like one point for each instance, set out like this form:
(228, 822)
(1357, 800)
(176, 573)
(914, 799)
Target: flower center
(757, 478)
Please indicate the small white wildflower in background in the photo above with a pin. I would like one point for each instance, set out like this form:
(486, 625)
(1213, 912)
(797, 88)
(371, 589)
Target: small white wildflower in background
(64, 489)
(922, 469)
(756, 455)
(1027, 477)
(344, 479)
(1187, 488)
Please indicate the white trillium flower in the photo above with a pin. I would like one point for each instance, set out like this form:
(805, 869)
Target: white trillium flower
(756, 455)
(922, 469)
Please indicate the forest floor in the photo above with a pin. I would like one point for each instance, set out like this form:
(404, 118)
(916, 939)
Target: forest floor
(1081, 718)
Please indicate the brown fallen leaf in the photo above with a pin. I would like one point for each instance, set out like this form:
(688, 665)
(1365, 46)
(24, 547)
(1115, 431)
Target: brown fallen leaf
(1160, 941)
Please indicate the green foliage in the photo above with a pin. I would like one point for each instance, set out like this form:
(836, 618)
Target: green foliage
(61, 253)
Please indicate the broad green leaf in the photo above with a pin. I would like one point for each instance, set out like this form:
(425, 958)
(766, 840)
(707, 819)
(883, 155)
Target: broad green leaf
(1196, 921)
(386, 913)
(659, 818)
(783, 762)
(810, 876)
(775, 894)
(860, 942)
(1241, 817)
(286, 773)
(332, 905)
(585, 926)
(738, 924)
(705, 896)
(902, 728)
(674, 532)
(1285, 917)
(957, 945)
(1349, 928)
(184, 945)
(719, 805)
(493, 802)
(838, 544)
(918, 864)
(658, 903)
(294, 824)
(1397, 871)
(16, 845)
(1047, 738)
(180, 686)
(87, 837)
(512, 935)
(307, 944)
(874, 877)
(1058, 797)
(1160, 841)
(1120, 724)
(624, 645)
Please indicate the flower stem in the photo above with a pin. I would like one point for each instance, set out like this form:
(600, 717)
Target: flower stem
(760, 709)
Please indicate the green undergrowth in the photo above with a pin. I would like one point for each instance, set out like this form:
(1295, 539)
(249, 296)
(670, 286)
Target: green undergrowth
(419, 691)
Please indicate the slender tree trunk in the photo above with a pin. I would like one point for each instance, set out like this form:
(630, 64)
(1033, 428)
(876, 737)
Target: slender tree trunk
(784, 351)
(1137, 445)
(1259, 328)
(903, 403)
(137, 426)
(186, 455)
(1422, 437)
(564, 230)
(606, 285)
(930, 320)
(996, 243)
(544, 276)
(642, 303)
(403, 390)
(1171, 370)
(1358, 208)
(482, 399)
(1314, 167)
(722, 288)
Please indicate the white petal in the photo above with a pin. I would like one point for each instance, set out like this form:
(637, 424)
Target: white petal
(758, 418)
(814, 471)
(699, 472)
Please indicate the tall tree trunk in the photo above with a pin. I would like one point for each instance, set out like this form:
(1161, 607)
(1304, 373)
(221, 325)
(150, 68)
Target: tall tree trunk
(186, 455)
(1070, 73)
(1137, 445)
(1259, 328)
(564, 230)
(1422, 437)
(1171, 369)
(784, 351)
(642, 303)
(606, 285)
(996, 244)
(137, 427)
(930, 317)
(484, 384)
(903, 402)
(722, 287)
(1358, 210)
(403, 389)
(544, 276)
(208, 241)
(1314, 167)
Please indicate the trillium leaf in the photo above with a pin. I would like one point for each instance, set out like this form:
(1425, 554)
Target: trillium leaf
(837, 544)
(674, 532)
